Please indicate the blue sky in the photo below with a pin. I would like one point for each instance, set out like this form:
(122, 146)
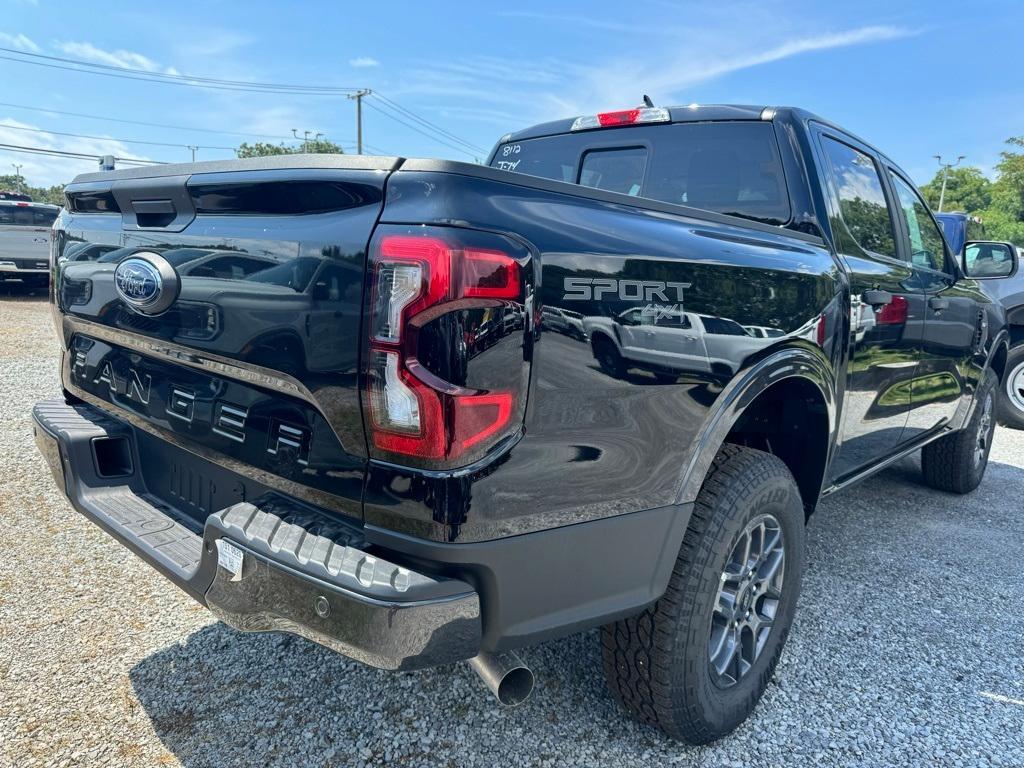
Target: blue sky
(917, 80)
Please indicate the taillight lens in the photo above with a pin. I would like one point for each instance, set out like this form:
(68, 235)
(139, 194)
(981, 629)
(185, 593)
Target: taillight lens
(427, 285)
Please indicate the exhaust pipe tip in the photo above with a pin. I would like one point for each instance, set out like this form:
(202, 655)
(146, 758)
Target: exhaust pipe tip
(505, 675)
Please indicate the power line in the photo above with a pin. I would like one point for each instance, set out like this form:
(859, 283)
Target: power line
(147, 124)
(76, 155)
(419, 130)
(110, 138)
(428, 124)
(129, 73)
(390, 108)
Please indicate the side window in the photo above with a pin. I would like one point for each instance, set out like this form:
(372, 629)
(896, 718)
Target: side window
(927, 248)
(861, 199)
(677, 320)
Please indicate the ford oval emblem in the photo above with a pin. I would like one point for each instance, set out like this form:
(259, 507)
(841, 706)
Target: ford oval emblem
(147, 282)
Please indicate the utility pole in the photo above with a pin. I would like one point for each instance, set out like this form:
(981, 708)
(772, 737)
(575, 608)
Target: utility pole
(193, 148)
(17, 174)
(305, 138)
(945, 175)
(358, 96)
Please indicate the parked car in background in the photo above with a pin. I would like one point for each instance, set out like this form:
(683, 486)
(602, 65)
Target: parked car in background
(998, 265)
(562, 320)
(670, 342)
(25, 239)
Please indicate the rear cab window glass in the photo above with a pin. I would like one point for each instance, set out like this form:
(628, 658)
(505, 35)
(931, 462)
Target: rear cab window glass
(862, 203)
(614, 170)
(27, 215)
(730, 167)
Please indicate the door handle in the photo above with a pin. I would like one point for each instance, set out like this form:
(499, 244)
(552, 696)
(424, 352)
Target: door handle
(876, 298)
(938, 303)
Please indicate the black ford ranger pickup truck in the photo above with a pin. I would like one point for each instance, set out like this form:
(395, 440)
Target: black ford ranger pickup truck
(319, 395)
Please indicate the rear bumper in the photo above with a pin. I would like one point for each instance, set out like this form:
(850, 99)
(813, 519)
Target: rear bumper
(299, 571)
(389, 599)
(9, 268)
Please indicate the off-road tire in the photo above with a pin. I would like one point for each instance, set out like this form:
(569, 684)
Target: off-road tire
(950, 463)
(657, 664)
(1010, 413)
(608, 356)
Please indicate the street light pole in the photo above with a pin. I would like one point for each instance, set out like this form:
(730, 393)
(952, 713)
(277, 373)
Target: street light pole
(193, 148)
(945, 176)
(358, 96)
(17, 173)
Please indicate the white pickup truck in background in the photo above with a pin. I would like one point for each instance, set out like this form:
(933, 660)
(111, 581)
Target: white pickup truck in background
(25, 239)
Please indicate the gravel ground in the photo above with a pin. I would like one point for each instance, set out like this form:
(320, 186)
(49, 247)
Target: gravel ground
(907, 648)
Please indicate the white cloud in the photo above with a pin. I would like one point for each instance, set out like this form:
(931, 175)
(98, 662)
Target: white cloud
(45, 170)
(363, 61)
(550, 88)
(622, 81)
(118, 58)
(19, 41)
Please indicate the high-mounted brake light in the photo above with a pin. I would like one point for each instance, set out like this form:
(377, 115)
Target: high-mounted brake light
(416, 279)
(622, 117)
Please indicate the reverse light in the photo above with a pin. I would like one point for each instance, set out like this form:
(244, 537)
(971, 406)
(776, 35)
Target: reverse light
(419, 279)
(622, 117)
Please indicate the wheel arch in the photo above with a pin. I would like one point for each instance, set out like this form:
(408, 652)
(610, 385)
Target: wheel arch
(791, 392)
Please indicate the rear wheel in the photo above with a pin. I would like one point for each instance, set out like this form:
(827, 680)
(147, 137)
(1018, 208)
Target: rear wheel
(1010, 395)
(608, 357)
(956, 463)
(696, 662)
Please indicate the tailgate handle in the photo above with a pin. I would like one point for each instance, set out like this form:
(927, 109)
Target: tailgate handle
(160, 202)
(154, 213)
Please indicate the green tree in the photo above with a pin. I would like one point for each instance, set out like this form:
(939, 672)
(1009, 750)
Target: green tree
(54, 195)
(265, 149)
(1004, 217)
(967, 190)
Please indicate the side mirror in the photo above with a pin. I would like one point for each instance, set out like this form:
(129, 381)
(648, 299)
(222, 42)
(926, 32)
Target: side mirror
(989, 260)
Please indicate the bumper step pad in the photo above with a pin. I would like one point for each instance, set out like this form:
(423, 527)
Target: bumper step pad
(302, 570)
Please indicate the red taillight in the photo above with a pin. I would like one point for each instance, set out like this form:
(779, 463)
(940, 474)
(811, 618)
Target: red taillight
(893, 313)
(820, 338)
(417, 279)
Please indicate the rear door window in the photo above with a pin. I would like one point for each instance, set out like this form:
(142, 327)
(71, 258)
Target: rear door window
(862, 203)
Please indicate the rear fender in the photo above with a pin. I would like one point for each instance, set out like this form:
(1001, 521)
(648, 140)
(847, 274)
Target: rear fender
(741, 392)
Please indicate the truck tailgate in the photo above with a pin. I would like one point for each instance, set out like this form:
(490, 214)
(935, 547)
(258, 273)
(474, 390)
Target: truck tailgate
(240, 339)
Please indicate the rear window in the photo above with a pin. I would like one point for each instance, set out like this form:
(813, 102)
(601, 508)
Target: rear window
(726, 167)
(27, 215)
